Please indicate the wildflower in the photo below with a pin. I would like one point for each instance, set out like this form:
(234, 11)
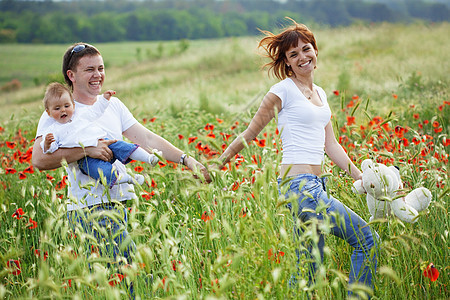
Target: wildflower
(37, 253)
(10, 171)
(336, 92)
(220, 121)
(192, 139)
(416, 116)
(10, 145)
(29, 170)
(399, 131)
(261, 143)
(152, 120)
(116, 279)
(31, 224)
(174, 264)
(14, 265)
(139, 169)
(161, 164)
(395, 96)
(350, 104)
(435, 124)
(275, 256)
(180, 136)
(22, 176)
(18, 213)
(61, 184)
(431, 272)
(207, 216)
(355, 97)
(243, 213)
(148, 195)
(211, 135)
(153, 184)
(209, 127)
(49, 177)
(350, 120)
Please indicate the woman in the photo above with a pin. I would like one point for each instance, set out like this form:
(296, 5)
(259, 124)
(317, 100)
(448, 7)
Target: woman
(306, 131)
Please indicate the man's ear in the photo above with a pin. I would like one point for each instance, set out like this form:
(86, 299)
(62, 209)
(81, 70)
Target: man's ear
(70, 74)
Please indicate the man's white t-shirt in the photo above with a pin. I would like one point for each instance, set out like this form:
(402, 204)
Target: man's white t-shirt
(83, 190)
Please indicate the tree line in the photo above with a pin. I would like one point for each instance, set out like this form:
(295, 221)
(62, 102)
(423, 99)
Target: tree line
(122, 20)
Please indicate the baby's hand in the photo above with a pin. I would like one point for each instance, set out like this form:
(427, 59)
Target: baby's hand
(108, 94)
(49, 139)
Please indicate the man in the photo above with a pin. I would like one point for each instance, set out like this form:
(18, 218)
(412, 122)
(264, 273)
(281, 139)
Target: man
(84, 72)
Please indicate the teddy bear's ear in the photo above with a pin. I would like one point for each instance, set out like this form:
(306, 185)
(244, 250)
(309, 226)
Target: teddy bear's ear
(366, 164)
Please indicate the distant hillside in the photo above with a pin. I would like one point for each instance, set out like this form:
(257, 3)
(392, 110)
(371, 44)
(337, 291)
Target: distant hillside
(122, 20)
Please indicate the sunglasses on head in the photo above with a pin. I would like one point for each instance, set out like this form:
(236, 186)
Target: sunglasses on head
(76, 49)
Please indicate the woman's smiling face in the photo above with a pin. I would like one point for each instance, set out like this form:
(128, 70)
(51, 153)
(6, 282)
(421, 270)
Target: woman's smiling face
(301, 58)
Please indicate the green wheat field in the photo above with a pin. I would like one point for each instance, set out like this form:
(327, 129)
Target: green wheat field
(388, 86)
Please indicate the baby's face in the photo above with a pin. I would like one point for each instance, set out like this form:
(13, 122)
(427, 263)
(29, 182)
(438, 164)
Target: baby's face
(61, 109)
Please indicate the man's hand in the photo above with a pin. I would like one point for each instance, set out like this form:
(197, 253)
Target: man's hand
(102, 150)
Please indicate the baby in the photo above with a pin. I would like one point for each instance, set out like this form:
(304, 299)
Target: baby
(78, 129)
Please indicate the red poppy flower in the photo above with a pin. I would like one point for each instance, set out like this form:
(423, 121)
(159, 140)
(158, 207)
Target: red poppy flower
(209, 127)
(220, 121)
(116, 279)
(161, 164)
(22, 175)
(61, 184)
(394, 96)
(153, 184)
(261, 143)
(10, 145)
(336, 92)
(139, 169)
(31, 224)
(37, 253)
(29, 170)
(243, 213)
(211, 135)
(180, 136)
(275, 256)
(350, 120)
(438, 130)
(416, 116)
(14, 265)
(350, 104)
(399, 131)
(174, 264)
(10, 171)
(49, 177)
(148, 195)
(431, 272)
(435, 124)
(18, 213)
(207, 216)
(152, 120)
(192, 139)
(355, 97)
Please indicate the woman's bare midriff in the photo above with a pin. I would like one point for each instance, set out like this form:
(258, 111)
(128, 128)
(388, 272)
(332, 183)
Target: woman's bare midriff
(296, 169)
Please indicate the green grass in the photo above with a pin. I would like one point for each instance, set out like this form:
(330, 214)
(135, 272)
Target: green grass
(399, 75)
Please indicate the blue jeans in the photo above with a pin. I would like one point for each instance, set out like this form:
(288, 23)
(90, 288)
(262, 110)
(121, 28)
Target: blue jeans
(95, 223)
(310, 193)
(121, 151)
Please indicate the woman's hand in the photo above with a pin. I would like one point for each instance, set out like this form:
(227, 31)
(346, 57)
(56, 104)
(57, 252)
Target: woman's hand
(196, 167)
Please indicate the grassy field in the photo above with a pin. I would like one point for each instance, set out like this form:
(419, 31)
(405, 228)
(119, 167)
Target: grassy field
(388, 88)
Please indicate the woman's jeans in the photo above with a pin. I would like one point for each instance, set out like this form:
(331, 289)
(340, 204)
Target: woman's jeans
(121, 151)
(107, 223)
(310, 192)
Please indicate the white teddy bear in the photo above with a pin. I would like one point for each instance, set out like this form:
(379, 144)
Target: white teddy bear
(381, 183)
